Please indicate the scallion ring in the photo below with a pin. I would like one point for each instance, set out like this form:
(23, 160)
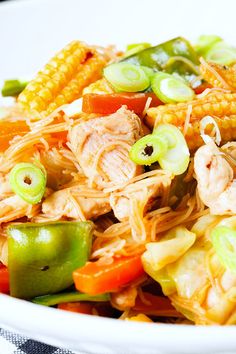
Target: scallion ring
(148, 150)
(176, 158)
(28, 181)
(127, 77)
(221, 53)
(171, 89)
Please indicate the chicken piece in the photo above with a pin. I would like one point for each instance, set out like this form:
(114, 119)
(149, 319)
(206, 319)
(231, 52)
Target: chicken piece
(144, 192)
(14, 207)
(101, 146)
(135, 200)
(73, 203)
(215, 177)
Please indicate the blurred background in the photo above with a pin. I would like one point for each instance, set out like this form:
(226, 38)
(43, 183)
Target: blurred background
(34, 29)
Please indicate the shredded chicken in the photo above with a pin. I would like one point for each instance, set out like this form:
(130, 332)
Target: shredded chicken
(216, 182)
(101, 147)
(71, 204)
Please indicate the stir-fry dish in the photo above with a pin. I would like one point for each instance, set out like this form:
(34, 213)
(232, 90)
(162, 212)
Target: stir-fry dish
(117, 182)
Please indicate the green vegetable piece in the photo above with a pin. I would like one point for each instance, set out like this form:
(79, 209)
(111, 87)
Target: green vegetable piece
(171, 89)
(221, 53)
(43, 256)
(28, 181)
(13, 87)
(135, 45)
(205, 43)
(224, 242)
(148, 71)
(51, 300)
(148, 149)
(176, 158)
(127, 77)
(135, 48)
(157, 57)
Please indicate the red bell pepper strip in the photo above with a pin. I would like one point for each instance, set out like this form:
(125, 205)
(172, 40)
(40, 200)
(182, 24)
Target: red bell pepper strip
(96, 278)
(199, 89)
(4, 279)
(110, 103)
(79, 307)
(155, 306)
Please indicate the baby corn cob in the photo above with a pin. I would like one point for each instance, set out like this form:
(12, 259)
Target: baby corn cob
(219, 75)
(221, 106)
(100, 86)
(217, 104)
(62, 80)
(226, 125)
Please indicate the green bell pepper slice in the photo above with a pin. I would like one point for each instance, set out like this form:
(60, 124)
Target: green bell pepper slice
(51, 300)
(159, 56)
(42, 257)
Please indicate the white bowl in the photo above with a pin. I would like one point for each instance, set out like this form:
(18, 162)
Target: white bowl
(31, 31)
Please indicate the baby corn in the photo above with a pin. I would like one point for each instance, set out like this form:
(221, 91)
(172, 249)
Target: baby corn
(218, 104)
(100, 86)
(226, 125)
(219, 75)
(221, 106)
(62, 80)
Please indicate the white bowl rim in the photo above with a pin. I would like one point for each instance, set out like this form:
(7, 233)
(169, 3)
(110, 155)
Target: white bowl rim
(59, 327)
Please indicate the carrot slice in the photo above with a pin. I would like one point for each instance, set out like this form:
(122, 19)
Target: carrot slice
(96, 278)
(110, 103)
(8, 130)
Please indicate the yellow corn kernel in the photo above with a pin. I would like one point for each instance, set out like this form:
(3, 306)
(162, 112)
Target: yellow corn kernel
(62, 80)
(219, 75)
(140, 318)
(101, 86)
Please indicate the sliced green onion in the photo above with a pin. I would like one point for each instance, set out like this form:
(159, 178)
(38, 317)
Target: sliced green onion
(51, 300)
(221, 53)
(205, 43)
(171, 89)
(28, 181)
(13, 87)
(148, 150)
(176, 158)
(135, 48)
(148, 71)
(224, 242)
(127, 77)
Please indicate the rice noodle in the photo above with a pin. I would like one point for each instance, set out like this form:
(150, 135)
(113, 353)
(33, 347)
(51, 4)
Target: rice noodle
(148, 206)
